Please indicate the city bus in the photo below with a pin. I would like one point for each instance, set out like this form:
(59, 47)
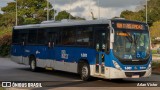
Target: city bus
(108, 48)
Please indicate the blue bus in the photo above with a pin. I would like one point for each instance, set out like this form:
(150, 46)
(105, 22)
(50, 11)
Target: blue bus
(108, 48)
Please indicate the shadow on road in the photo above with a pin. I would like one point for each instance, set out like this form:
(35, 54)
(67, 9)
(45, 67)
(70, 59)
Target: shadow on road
(74, 80)
(54, 72)
(77, 77)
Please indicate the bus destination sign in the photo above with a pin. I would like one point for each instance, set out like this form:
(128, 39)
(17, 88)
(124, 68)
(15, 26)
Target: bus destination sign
(130, 26)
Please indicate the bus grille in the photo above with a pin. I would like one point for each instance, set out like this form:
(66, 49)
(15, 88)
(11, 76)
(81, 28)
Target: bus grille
(128, 62)
(130, 74)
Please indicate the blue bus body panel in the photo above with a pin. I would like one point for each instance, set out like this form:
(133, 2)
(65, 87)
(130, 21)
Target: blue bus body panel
(73, 54)
(55, 53)
(16, 50)
(133, 67)
(70, 54)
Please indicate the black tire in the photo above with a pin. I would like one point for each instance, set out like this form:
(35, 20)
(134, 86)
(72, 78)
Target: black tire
(33, 65)
(85, 72)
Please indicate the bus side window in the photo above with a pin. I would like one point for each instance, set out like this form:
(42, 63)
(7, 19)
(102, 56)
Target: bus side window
(16, 37)
(102, 38)
(85, 36)
(41, 37)
(68, 36)
(53, 36)
(23, 36)
(32, 36)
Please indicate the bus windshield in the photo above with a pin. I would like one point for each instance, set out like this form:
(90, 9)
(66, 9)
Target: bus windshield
(131, 44)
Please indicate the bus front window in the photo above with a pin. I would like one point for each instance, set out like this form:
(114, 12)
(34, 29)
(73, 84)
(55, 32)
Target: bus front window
(131, 44)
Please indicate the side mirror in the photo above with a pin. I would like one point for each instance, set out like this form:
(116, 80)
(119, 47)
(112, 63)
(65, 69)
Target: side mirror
(49, 44)
(22, 43)
(111, 34)
(112, 37)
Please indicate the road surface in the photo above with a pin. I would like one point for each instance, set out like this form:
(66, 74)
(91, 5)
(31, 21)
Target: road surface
(10, 71)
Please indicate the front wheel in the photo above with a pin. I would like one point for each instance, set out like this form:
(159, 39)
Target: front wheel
(33, 66)
(85, 72)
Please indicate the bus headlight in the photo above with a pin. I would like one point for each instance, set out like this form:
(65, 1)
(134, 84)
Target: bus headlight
(149, 66)
(116, 65)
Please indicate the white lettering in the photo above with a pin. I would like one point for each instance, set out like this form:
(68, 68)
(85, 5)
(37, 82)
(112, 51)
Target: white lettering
(147, 84)
(34, 85)
(128, 68)
(152, 84)
(141, 84)
(83, 54)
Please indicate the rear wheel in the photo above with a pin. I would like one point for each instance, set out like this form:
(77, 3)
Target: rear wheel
(85, 72)
(33, 66)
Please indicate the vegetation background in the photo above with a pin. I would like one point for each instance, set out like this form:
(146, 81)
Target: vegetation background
(34, 12)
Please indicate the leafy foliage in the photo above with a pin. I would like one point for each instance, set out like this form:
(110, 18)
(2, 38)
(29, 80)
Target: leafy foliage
(130, 15)
(156, 66)
(29, 12)
(5, 44)
(153, 13)
(155, 30)
(153, 16)
(65, 15)
(153, 10)
(5, 40)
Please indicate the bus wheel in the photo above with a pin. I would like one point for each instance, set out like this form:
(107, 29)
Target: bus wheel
(33, 66)
(85, 72)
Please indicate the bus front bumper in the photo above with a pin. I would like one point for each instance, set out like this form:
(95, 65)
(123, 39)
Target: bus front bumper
(115, 73)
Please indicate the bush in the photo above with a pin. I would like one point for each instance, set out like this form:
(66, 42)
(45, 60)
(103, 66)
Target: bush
(5, 44)
(154, 51)
(155, 64)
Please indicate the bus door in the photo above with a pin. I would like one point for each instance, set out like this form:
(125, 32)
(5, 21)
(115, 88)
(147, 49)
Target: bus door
(23, 40)
(101, 48)
(52, 41)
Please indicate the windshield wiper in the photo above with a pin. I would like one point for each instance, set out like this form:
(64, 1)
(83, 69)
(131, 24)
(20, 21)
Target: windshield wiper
(136, 40)
(130, 39)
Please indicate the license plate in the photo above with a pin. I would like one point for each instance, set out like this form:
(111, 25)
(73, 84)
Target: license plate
(135, 76)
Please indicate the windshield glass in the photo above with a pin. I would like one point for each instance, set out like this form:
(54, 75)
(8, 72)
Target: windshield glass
(131, 44)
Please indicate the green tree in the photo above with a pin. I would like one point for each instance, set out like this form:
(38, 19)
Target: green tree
(1, 15)
(153, 13)
(29, 11)
(65, 15)
(7, 20)
(130, 15)
(153, 10)
(9, 8)
(155, 30)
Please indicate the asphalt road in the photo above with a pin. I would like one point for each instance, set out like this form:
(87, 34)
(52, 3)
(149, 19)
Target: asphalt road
(10, 71)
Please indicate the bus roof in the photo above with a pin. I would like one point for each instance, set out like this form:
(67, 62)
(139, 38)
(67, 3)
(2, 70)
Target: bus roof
(70, 23)
(64, 23)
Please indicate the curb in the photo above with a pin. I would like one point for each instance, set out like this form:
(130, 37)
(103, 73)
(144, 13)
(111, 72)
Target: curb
(154, 72)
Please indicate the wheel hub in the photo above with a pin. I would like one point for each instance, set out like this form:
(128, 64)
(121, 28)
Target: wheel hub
(33, 64)
(84, 71)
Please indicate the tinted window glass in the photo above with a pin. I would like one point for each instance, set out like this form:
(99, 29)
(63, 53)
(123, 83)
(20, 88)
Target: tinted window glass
(41, 37)
(68, 36)
(16, 34)
(32, 36)
(102, 37)
(85, 36)
(53, 35)
(23, 36)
